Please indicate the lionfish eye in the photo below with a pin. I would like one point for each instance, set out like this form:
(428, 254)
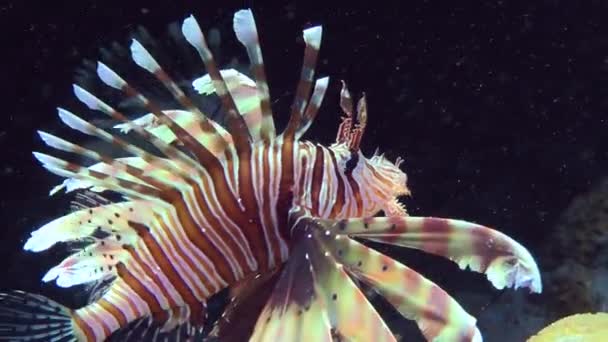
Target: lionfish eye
(351, 163)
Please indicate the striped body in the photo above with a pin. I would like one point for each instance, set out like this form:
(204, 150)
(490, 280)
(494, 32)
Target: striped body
(271, 217)
(196, 247)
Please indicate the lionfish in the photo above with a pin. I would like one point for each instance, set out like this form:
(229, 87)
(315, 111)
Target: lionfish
(279, 221)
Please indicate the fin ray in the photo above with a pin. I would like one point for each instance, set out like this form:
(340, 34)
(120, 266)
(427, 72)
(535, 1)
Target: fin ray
(505, 262)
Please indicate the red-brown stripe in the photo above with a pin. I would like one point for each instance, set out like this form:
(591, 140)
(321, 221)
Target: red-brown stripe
(317, 179)
(114, 311)
(438, 238)
(195, 235)
(260, 78)
(340, 193)
(253, 228)
(141, 290)
(203, 278)
(435, 309)
(167, 268)
(265, 189)
(356, 193)
(84, 327)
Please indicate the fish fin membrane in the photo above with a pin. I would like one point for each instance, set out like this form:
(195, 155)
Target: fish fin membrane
(30, 317)
(247, 299)
(316, 300)
(112, 219)
(438, 316)
(505, 262)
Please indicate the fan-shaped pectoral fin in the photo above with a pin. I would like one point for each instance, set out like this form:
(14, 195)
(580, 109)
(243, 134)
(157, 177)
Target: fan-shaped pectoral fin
(505, 262)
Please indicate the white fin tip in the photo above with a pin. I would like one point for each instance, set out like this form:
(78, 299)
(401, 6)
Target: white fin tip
(244, 27)
(312, 36)
(109, 77)
(192, 32)
(142, 57)
(85, 97)
(73, 121)
(53, 141)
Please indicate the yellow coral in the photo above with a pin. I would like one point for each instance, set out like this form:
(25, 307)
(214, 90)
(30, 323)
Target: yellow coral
(576, 328)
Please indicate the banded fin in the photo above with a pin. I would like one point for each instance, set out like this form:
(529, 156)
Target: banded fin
(205, 158)
(312, 38)
(115, 166)
(96, 262)
(313, 106)
(150, 170)
(177, 156)
(144, 59)
(235, 123)
(439, 316)
(505, 262)
(115, 182)
(247, 33)
(112, 219)
(188, 121)
(315, 299)
(87, 199)
(77, 123)
(294, 312)
(31, 317)
(243, 91)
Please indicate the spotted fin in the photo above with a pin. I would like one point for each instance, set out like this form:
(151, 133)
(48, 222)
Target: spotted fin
(439, 316)
(247, 299)
(316, 300)
(110, 219)
(96, 262)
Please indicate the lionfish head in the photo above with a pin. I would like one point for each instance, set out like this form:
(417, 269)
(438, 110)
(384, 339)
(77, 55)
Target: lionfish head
(383, 180)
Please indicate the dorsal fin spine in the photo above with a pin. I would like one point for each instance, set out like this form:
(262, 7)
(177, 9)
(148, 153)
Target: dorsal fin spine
(236, 124)
(247, 33)
(112, 79)
(176, 155)
(144, 59)
(312, 38)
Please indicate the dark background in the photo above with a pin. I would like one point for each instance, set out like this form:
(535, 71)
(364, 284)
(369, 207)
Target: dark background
(498, 107)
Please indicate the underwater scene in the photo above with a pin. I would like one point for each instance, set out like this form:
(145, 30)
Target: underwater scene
(304, 171)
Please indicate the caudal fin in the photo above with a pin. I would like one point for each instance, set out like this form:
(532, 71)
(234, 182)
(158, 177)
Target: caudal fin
(29, 317)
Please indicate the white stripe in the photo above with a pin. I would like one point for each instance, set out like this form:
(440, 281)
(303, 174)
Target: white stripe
(274, 189)
(140, 304)
(90, 319)
(201, 221)
(181, 267)
(198, 257)
(109, 319)
(147, 257)
(118, 298)
(257, 167)
(148, 282)
(233, 230)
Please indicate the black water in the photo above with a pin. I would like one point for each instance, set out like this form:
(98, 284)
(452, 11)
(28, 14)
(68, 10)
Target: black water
(498, 107)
